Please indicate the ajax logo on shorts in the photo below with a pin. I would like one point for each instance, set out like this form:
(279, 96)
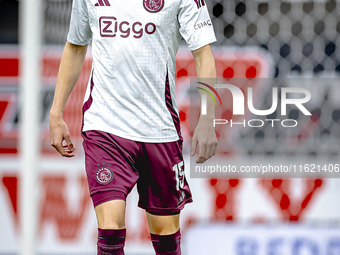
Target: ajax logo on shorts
(153, 5)
(104, 175)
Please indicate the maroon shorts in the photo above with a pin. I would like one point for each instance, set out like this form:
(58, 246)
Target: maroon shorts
(114, 165)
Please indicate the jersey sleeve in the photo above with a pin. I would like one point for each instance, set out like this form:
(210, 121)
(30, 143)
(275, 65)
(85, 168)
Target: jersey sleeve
(80, 31)
(195, 24)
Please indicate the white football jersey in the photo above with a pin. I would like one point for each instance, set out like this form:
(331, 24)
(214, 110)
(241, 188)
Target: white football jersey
(131, 91)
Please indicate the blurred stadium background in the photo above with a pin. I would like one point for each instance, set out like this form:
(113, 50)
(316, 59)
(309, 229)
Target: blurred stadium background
(256, 39)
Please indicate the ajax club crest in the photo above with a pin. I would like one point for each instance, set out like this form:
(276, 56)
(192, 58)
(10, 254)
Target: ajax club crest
(104, 175)
(153, 5)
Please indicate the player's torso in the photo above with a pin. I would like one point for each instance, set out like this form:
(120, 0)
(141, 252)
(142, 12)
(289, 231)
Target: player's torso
(134, 48)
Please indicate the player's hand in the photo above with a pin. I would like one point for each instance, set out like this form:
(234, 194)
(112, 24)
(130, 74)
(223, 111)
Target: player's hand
(205, 136)
(60, 137)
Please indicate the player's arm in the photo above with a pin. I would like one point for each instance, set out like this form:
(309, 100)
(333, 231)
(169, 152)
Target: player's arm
(204, 133)
(70, 66)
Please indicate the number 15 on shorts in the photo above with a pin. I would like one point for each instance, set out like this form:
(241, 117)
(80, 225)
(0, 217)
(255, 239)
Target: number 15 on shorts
(179, 175)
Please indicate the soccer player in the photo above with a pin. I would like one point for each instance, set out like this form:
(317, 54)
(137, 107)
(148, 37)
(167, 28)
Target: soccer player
(131, 127)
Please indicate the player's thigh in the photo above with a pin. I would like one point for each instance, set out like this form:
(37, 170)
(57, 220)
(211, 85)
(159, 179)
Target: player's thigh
(109, 162)
(163, 224)
(111, 214)
(162, 186)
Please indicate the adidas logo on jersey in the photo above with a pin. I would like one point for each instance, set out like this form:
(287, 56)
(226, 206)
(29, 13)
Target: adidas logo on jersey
(103, 3)
(199, 3)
